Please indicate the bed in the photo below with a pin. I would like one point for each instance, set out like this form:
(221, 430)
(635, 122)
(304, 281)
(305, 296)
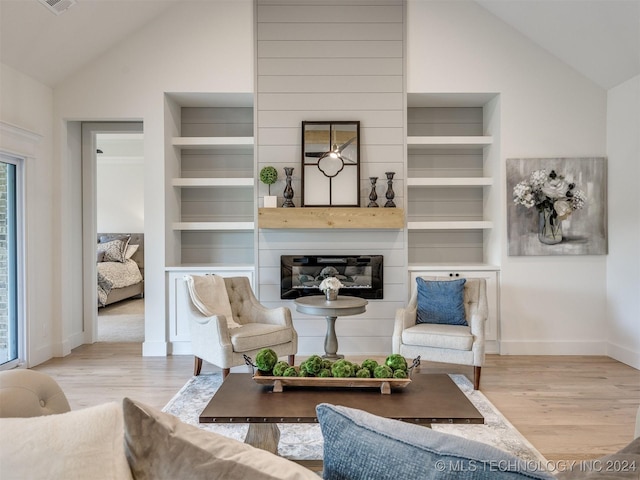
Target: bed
(120, 266)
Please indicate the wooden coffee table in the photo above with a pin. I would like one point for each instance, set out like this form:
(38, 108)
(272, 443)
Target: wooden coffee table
(430, 398)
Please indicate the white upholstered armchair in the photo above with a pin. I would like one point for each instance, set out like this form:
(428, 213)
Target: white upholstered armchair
(259, 327)
(459, 344)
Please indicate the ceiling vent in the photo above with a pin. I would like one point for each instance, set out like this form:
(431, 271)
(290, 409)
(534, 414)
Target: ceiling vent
(57, 7)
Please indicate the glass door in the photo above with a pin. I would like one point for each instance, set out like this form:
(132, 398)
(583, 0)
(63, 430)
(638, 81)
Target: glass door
(10, 325)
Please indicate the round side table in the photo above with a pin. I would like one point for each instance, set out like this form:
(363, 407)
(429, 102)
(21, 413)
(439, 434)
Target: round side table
(331, 310)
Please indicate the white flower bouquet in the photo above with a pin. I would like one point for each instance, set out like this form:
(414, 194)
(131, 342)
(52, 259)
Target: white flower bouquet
(555, 199)
(549, 192)
(331, 283)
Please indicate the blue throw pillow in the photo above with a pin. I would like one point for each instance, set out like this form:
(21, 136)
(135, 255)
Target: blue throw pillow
(441, 301)
(359, 445)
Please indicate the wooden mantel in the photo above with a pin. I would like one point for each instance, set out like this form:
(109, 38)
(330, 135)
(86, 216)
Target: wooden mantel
(327, 217)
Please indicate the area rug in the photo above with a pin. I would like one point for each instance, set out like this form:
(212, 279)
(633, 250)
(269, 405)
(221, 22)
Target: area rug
(304, 441)
(122, 322)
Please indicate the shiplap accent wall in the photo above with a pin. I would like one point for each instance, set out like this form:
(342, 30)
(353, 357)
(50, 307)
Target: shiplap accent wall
(319, 60)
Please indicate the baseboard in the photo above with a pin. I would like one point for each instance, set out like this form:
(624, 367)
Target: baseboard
(36, 356)
(154, 349)
(624, 355)
(181, 348)
(517, 347)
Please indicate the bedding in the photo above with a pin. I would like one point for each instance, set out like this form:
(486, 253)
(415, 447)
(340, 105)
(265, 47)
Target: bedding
(120, 267)
(116, 275)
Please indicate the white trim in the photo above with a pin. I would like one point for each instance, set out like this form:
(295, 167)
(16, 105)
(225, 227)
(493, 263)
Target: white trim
(624, 355)
(21, 261)
(18, 141)
(524, 347)
(89, 215)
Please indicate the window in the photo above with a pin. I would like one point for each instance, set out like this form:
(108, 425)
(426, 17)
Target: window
(10, 311)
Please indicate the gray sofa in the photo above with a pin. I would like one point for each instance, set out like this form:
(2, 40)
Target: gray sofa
(41, 438)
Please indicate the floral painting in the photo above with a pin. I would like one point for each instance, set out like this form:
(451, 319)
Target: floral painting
(556, 206)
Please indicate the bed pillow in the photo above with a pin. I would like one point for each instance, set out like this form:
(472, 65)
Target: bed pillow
(114, 250)
(441, 302)
(159, 445)
(86, 443)
(362, 446)
(131, 250)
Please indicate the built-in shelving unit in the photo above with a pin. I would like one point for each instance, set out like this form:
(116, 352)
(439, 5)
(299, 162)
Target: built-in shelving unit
(448, 178)
(213, 179)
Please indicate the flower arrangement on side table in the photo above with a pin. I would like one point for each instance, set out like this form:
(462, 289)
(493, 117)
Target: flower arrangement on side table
(330, 287)
(555, 199)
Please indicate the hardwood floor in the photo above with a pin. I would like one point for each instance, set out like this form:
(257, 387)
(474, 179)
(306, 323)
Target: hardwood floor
(568, 407)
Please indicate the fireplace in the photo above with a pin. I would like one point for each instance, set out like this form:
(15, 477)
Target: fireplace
(301, 275)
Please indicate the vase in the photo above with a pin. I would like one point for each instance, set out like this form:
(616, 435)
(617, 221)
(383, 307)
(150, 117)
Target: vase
(288, 189)
(549, 227)
(373, 196)
(390, 193)
(331, 294)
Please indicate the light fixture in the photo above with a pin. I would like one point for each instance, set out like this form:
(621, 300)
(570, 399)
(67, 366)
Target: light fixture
(99, 151)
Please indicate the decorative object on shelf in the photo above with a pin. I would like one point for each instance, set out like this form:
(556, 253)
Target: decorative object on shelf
(330, 286)
(269, 176)
(390, 195)
(570, 204)
(373, 196)
(330, 164)
(288, 189)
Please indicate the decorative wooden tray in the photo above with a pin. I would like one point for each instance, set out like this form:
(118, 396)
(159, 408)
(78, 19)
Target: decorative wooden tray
(384, 384)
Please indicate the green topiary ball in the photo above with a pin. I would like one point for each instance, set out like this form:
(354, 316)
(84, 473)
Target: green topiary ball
(268, 175)
(290, 372)
(363, 373)
(279, 368)
(383, 371)
(400, 374)
(266, 360)
(396, 362)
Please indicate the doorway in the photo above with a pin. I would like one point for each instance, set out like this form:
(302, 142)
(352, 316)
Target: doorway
(113, 214)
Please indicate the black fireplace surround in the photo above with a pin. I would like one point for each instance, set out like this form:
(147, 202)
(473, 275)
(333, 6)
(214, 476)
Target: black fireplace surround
(301, 275)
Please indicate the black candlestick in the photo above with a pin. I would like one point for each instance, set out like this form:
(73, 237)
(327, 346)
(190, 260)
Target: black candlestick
(373, 196)
(390, 193)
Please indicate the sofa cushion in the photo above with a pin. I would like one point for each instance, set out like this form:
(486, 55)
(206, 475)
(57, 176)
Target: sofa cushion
(254, 336)
(622, 465)
(441, 301)
(160, 446)
(29, 393)
(359, 445)
(87, 443)
(454, 337)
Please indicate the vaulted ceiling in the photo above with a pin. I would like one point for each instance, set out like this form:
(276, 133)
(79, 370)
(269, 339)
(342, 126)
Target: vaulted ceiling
(598, 38)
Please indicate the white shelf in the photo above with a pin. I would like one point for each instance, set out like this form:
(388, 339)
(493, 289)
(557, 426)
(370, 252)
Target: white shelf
(212, 182)
(207, 267)
(452, 225)
(212, 226)
(438, 267)
(212, 142)
(449, 181)
(449, 142)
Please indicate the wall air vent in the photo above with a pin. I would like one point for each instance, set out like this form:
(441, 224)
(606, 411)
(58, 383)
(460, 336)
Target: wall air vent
(57, 7)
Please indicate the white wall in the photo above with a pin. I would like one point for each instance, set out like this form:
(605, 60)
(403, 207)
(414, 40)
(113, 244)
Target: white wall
(623, 262)
(120, 195)
(28, 104)
(194, 47)
(549, 305)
